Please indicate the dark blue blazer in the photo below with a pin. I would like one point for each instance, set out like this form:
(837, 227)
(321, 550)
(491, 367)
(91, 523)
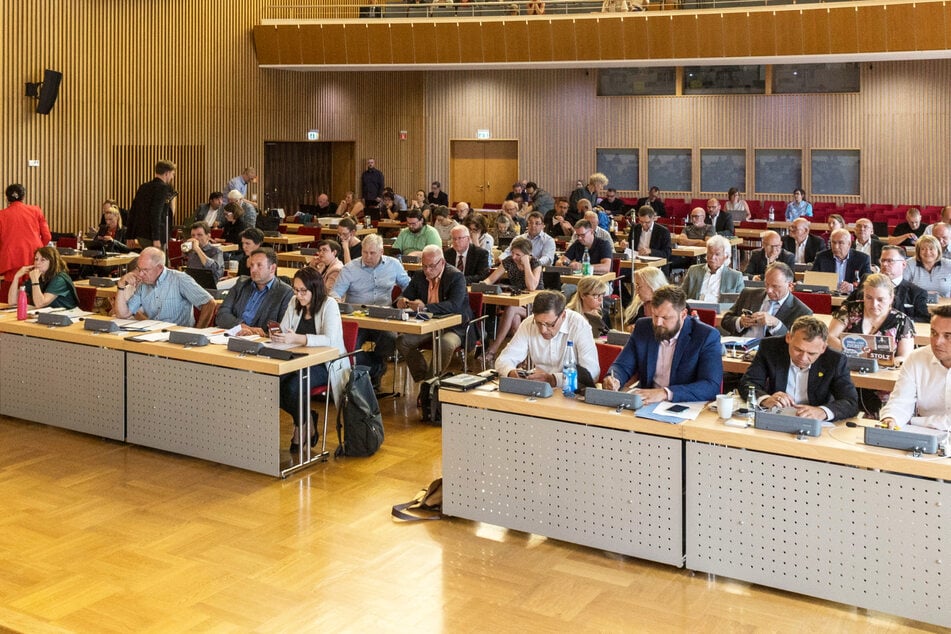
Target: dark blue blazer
(697, 369)
(856, 267)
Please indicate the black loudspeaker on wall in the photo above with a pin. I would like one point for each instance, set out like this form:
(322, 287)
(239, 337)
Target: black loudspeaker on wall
(45, 93)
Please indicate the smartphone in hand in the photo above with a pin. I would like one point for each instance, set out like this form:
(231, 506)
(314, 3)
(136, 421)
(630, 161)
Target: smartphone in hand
(274, 328)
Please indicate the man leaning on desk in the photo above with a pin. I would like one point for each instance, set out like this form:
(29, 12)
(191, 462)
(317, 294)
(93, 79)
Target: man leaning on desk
(675, 358)
(541, 341)
(767, 311)
(152, 291)
(257, 299)
(799, 371)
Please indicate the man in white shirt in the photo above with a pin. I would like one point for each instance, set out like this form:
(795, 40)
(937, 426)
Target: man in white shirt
(922, 394)
(945, 218)
(866, 242)
(543, 245)
(541, 340)
(706, 281)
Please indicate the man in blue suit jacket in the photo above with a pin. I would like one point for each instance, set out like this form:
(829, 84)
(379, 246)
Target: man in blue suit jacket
(676, 358)
(851, 265)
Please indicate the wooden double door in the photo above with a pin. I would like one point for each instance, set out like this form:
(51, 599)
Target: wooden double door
(482, 171)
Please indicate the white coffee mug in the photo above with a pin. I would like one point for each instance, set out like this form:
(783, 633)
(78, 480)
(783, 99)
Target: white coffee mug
(725, 405)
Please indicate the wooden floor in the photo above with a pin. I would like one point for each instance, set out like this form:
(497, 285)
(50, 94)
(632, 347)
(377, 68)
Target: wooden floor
(97, 536)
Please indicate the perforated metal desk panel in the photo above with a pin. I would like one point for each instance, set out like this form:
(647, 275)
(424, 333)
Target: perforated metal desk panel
(68, 385)
(556, 474)
(815, 524)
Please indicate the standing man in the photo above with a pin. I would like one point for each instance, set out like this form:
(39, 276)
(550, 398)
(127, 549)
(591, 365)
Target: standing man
(543, 245)
(202, 254)
(437, 196)
(240, 182)
(800, 371)
(256, 300)
(920, 396)
(722, 223)
(591, 192)
(850, 265)
(439, 289)
(370, 280)
(152, 291)
(705, 282)
(676, 358)
(150, 211)
(473, 261)
(371, 185)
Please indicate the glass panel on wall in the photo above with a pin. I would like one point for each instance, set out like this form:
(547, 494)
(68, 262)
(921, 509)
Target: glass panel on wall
(621, 166)
(724, 80)
(778, 171)
(835, 172)
(669, 169)
(722, 169)
(659, 80)
(816, 78)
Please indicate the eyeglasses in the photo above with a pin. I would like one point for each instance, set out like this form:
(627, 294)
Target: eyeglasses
(300, 291)
(891, 260)
(541, 325)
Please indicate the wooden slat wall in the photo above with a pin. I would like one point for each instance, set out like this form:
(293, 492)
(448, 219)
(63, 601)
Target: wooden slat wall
(198, 87)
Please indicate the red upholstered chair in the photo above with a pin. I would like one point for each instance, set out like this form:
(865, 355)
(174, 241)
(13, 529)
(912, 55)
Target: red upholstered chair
(66, 242)
(175, 259)
(350, 330)
(607, 353)
(820, 303)
(87, 297)
(310, 231)
(706, 315)
(217, 233)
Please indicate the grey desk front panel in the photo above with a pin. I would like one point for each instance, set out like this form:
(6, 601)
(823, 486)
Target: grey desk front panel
(875, 540)
(66, 385)
(218, 414)
(616, 490)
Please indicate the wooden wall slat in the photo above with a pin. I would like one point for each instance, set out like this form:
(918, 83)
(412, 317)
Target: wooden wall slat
(424, 43)
(685, 32)
(403, 43)
(843, 30)
(516, 41)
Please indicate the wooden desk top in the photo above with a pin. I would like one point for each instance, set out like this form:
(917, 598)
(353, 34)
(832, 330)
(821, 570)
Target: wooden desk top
(688, 251)
(881, 380)
(211, 354)
(841, 444)
(412, 266)
(606, 278)
(293, 257)
(286, 239)
(112, 260)
(639, 264)
(507, 299)
(227, 247)
(410, 327)
(365, 231)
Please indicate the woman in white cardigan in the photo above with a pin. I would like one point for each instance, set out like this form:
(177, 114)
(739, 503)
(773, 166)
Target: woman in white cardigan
(312, 319)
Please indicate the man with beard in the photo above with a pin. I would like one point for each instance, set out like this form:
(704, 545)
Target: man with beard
(416, 235)
(675, 358)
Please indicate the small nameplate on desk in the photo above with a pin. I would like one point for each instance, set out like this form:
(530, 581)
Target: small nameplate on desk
(100, 325)
(538, 389)
(385, 312)
(308, 251)
(901, 439)
(345, 309)
(410, 259)
(787, 424)
(244, 346)
(96, 254)
(276, 353)
(190, 339)
(564, 270)
(102, 282)
(272, 234)
(862, 365)
(607, 398)
(53, 319)
(618, 337)
(487, 289)
(811, 288)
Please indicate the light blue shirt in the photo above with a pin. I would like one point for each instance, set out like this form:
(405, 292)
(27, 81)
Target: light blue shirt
(254, 302)
(798, 210)
(171, 298)
(361, 284)
(237, 183)
(543, 248)
(840, 266)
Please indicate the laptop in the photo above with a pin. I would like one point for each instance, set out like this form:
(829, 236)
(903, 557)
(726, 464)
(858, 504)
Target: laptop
(815, 278)
(206, 279)
(462, 382)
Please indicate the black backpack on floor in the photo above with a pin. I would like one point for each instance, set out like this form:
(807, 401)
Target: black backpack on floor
(359, 422)
(430, 409)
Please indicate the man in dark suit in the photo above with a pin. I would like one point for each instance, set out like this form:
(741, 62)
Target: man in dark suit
(474, 260)
(440, 289)
(258, 299)
(772, 251)
(866, 241)
(654, 201)
(676, 358)
(850, 265)
(768, 311)
(801, 243)
(648, 237)
(799, 371)
(437, 196)
(722, 223)
(149, 213)
(910, 298)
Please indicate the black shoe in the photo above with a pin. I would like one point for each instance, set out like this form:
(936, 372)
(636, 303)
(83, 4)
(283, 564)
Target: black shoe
(295, 447)
(314, 418)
